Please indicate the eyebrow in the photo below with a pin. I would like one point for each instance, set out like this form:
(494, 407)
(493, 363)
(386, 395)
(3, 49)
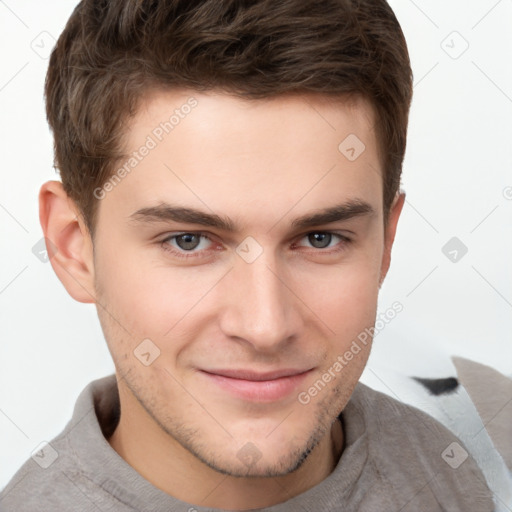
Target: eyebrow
(165, 212)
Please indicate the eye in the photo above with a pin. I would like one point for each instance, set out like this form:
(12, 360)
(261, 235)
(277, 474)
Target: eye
(194, 245)
(186, 244)
(323, 239)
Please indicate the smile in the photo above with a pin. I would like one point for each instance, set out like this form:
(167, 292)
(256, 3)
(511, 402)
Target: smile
(257, 387)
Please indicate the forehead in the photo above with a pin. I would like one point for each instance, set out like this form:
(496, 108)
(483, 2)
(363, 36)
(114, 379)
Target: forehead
(223, 153)
(217, 120)
(301, 114)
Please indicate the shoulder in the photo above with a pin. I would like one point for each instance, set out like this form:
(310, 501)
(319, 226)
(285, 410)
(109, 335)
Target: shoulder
(42, 480)
(416, 456)
(54, 477)
(386, 414)
(472, 405)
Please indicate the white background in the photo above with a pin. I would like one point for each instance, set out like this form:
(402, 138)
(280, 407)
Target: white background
(457, 175)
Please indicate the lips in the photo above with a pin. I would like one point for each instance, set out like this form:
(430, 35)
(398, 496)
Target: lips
(257, 386)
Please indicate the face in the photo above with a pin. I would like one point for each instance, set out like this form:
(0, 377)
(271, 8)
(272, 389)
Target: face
(236, 260)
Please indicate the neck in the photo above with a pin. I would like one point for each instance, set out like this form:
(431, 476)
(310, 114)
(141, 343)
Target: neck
(162, 461)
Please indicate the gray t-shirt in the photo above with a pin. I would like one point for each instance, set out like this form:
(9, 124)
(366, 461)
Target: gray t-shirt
(391, 463)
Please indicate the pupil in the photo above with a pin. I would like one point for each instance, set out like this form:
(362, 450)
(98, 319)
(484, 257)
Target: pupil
(324, 239)
(186, 241)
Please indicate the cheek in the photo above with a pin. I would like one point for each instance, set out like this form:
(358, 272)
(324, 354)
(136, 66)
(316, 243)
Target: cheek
(343, 295)
(348, 311)
(129, 288)
(149, 298)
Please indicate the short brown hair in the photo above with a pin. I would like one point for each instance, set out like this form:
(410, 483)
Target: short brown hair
(112, 52)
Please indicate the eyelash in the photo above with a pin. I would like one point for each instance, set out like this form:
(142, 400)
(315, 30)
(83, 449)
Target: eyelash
(189, 254)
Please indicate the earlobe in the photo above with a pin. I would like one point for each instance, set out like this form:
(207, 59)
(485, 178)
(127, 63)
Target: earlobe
(68, 242)
(390, 232)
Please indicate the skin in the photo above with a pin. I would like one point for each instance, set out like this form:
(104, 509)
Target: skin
(298, 305)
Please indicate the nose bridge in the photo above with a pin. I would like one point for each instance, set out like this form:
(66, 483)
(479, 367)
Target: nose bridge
(260, 308)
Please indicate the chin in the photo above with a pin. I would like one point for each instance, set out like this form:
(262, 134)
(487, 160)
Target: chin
(270, 461)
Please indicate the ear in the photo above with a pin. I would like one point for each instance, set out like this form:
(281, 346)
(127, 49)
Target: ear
(68, 241)
(390, 231)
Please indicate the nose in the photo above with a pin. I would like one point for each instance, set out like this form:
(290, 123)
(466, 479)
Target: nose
(260, 306)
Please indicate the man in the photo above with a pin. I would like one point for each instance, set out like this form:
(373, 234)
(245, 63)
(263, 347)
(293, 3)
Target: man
(229, 200)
